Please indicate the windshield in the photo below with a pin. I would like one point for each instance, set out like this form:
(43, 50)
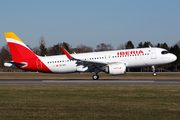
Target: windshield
(164, 52)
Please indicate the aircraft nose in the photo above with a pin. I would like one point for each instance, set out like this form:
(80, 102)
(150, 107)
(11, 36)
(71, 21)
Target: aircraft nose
(174, 57)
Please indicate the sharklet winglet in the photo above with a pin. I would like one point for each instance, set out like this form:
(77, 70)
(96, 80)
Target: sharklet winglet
(67, 53)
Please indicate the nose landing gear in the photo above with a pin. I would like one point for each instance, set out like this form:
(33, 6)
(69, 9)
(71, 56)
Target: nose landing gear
(154, 71)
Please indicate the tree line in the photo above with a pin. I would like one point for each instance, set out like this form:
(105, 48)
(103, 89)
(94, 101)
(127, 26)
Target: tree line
(42, 50)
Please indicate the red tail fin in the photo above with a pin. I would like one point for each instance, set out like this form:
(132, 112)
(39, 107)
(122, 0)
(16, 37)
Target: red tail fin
(18, 49)
(23, 57)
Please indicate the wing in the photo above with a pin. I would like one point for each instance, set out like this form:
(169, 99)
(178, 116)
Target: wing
(86, 63)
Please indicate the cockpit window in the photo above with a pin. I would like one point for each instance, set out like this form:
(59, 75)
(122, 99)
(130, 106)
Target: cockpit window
(164, 52)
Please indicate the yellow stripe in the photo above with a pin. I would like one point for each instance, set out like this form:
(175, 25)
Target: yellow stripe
(12, 36)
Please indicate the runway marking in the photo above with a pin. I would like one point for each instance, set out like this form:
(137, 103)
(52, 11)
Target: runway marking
(97, 81)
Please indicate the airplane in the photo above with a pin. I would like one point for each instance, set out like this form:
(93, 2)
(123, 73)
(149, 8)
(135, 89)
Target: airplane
(113, 62)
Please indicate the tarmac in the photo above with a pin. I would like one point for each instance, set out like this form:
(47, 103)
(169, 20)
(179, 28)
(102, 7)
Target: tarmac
(76, 81)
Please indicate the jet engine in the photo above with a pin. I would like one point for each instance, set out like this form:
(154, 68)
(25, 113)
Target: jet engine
(116, 69)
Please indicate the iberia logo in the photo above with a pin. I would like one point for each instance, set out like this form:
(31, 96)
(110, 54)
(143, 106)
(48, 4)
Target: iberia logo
(130, 52)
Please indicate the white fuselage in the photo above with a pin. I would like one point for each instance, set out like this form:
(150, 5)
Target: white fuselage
(140, 57)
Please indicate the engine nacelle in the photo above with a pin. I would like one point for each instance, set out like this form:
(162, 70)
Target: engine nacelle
(116, 69)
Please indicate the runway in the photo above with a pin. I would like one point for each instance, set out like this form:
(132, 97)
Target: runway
(74, 81)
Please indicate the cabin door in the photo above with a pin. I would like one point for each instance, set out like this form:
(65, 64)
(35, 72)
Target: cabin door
(153, 54)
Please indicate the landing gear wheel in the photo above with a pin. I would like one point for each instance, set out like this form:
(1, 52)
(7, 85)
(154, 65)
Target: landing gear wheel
(154, 74)
(154, 71)
(95, 77)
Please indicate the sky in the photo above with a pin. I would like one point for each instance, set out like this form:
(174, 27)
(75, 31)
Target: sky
(91, 22)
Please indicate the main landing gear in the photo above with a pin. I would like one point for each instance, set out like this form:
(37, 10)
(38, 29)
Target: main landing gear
(96, 76)
(154, 71)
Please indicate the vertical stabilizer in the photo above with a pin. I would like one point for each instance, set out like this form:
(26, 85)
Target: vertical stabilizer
(19, 51)
(23, 57)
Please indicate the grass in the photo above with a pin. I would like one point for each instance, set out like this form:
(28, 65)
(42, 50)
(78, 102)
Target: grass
(82, 102)
(29, 75)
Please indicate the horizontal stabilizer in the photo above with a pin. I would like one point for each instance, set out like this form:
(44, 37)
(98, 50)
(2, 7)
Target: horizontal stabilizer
(14, 64)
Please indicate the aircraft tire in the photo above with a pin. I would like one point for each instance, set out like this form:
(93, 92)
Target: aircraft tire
(154, 74)
(95, 77)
